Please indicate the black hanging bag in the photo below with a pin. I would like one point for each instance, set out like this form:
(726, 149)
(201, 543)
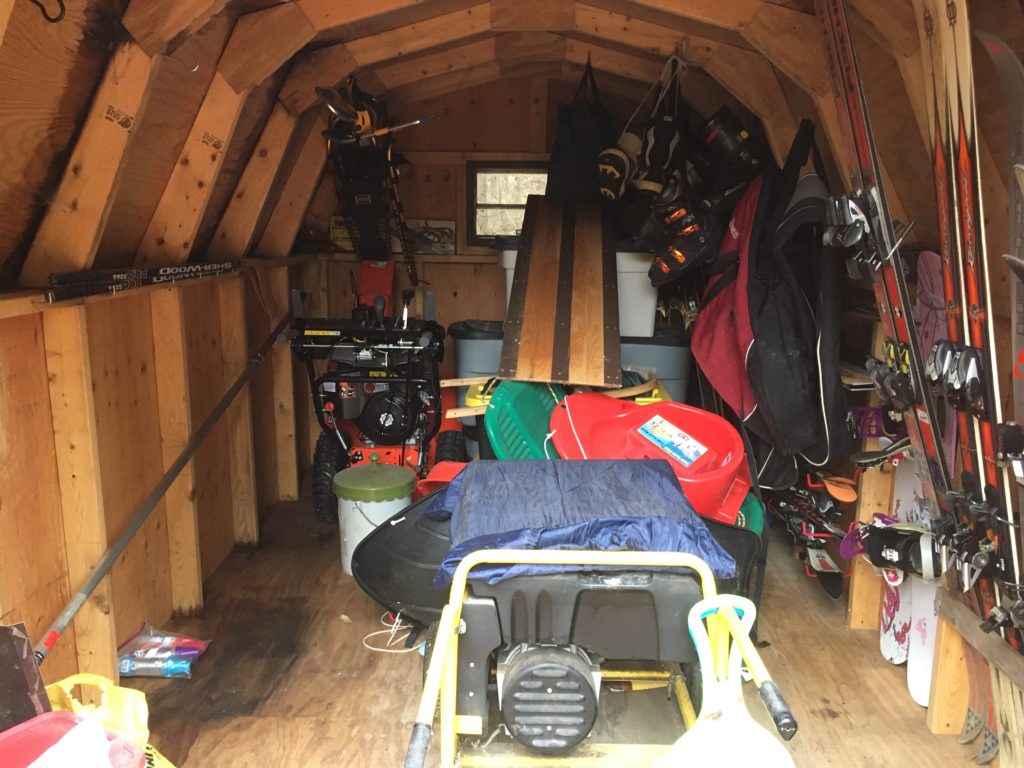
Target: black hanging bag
(584, 129)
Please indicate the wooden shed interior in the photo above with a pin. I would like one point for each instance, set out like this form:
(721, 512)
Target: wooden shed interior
(176, 132)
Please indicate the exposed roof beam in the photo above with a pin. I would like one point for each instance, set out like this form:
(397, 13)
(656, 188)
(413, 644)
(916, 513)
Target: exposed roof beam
(325, 66)
(639, 68)
(159, 25)
(671, 20)
(728, 14)
(70, 232)
(411, 70)
(261, 42)
(792, 42)
(608, 25)
(531, 15)
(6, 9)
(327, 15)
(421, 36)
(330, 65)
(751, 79)
(237, 227)
(172, 229)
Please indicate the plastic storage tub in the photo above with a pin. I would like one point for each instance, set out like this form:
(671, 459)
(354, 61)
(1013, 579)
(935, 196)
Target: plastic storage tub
(477, 346)
(368, 494)
(638, 299)
(668, 354)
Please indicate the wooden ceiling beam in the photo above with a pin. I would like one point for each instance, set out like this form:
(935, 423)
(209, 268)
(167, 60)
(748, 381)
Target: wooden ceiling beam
(532, 15)
(751, 79)
(641, 35)
(172, 229)
(412, 70)
(70, 232)
(421, 36)
(324, 66)
(636, 67)
(671, 20)
(792, 42)
(728, 14)
(160, 25)
(263, 41)
(330, 65)
(237, 227)
(303, 176)
(6, 9)
(328, 15)
(449, 82)
(521, 47)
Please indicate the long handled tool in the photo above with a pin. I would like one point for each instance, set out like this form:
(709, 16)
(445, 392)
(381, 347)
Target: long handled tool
(60, 624)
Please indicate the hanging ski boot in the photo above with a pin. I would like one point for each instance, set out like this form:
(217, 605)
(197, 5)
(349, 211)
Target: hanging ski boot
(617, 166)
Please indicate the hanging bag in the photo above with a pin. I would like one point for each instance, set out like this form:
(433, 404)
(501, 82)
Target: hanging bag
(584, 129)
(662, 147)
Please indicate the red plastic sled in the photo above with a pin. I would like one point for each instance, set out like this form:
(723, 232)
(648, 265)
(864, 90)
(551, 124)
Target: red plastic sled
(705, 450)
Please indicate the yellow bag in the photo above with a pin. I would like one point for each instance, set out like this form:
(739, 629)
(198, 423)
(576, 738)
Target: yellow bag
(123, 710)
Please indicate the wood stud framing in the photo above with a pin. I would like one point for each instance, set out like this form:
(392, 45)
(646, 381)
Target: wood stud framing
(158, 25)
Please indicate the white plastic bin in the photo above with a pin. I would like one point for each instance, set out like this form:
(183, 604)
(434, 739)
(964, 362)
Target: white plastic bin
(638, 299)
(369, 494)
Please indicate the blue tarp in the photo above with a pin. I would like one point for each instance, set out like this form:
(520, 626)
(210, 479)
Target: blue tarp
(606, 505)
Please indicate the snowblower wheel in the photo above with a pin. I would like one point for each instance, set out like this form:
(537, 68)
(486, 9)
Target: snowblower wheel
(329, 459)
(450, 446)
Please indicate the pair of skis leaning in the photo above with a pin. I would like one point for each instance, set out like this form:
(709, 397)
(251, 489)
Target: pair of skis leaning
(973, 524)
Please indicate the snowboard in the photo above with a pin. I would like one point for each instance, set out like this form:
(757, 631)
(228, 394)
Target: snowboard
(894, 626)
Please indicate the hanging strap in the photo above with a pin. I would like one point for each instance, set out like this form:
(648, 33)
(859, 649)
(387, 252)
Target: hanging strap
(587, 89)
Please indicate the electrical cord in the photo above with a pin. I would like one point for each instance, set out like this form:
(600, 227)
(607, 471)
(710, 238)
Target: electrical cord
(394, 626)
(46, 13)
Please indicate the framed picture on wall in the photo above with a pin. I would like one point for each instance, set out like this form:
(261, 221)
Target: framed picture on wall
(430, 236)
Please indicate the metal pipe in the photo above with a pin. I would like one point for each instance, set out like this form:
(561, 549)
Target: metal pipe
(60, 624)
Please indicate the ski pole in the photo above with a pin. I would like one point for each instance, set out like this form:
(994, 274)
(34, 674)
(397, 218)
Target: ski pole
(60, 624)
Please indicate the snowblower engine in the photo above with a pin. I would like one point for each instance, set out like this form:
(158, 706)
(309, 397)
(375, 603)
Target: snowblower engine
(380, 374)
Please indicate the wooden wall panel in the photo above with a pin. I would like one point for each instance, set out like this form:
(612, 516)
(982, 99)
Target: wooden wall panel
(48, 74)
(212, 460)
(33, 580)
(128, 434)
(174, 103)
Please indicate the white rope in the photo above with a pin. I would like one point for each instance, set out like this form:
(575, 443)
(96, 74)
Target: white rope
(393, 627)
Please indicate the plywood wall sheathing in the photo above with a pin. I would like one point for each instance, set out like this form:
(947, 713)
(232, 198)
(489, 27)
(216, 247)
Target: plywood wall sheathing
(172, 230)
(34, 584)
(261, 42)
(460, 57)
(237, 227)
(158, 25)
(69, 375)
(69, 235)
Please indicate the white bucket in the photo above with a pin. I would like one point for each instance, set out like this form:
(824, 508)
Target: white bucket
(638, 299)
(368, 494)
(358, 519)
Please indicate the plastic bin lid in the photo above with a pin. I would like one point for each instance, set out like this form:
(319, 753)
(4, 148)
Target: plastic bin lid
(490, 330)
(374, 482)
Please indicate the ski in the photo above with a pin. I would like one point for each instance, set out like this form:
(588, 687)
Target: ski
(972, 380)
(141, 275)
(1011, 79)
(80, 285)
(863, 220)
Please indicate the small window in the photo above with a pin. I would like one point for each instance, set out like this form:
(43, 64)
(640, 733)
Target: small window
(497, 195)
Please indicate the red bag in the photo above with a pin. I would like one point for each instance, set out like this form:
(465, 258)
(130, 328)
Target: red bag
(722, 333)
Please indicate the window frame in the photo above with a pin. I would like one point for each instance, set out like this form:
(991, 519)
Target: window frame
(473, 167)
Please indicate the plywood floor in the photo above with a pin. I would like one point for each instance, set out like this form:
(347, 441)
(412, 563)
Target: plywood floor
(287, 682)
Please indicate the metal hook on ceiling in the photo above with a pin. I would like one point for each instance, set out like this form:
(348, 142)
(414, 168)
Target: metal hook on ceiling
(193, 68)
(46, 13)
